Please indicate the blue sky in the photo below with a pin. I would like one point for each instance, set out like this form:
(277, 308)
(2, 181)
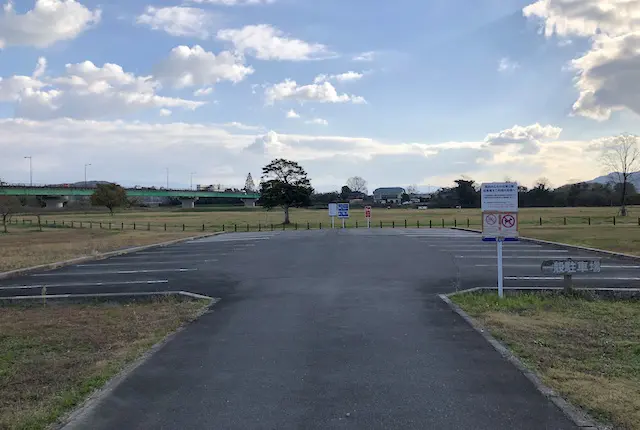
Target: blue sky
(414, 92)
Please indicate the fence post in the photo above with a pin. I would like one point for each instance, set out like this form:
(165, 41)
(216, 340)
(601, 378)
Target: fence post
(565, 220)
(235, 227)
(296, 226)
(247, 226)
(272, 227)
(590, 220)
(283, 226)
(418, 223)
(380, 224)
(405, 223)
(259, 227)
(165, 227)
(109, 226)
(430, 226)
(356, 223)
(614, 220)
(71, 224)
(202, 227)
(468, 223)
(308, 226)
(540, 220)
(320, 225)
(23, 221)
(455, 222)
(393, 224)
(639, 220)
(121, 226)
(134, 225)
(182, 227)
(442, 222)
(100, 224)
(63, 222)
(80, 224)
(46, 222)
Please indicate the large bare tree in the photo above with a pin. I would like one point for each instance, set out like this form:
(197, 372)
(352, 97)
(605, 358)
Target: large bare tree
(621, 158)
(357, 184)
(8, 206)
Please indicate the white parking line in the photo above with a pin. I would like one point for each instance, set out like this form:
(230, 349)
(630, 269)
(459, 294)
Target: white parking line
(139, 256)
(603, 266)
(83, 284)
(137, 263)
(488, 247)
(112, 272)
(506, 257)
(580, 278)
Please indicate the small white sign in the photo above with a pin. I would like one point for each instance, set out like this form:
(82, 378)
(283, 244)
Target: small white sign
(333, 209)
(343, 210)
(499, 197)
(509, 225)
(500, 225)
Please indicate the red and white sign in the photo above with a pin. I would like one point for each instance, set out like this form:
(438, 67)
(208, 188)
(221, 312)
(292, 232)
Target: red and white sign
(500, 224)
(509, 224)
(367, 211)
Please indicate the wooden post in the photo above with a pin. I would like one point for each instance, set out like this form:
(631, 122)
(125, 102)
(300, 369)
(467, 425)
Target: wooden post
(568, 283)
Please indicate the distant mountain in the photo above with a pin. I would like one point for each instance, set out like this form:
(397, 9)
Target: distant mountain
(613, 178)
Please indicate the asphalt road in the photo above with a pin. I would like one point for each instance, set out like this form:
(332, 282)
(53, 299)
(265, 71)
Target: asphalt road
(322, 330)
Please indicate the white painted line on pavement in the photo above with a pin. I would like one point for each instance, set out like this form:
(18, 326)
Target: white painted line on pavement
(581, 278)
(506, 257)
(140, 256)
(603, 266)
(83, 284)
(113, 272)
(144, 263)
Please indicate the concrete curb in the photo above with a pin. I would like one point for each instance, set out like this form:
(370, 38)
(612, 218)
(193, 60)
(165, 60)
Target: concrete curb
(566, 245)
(74, 419)
(579, 417)
(104, 296)
(103, 256)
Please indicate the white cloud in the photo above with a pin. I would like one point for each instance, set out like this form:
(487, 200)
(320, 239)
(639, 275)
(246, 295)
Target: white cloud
(526, 140)
(268, 43)
(41, 68)
(506, 65)
(178, 21)
(292, 114)
(322, 93)
(235, 2)
(188, 67)
(201, 92)
(165, 112)
(607, 73)
(365, 56)
(85, 91)
(50, 21)
(317, 121)
(342, 77)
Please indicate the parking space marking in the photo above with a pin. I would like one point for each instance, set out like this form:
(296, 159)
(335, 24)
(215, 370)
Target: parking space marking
(575, 278)
(84, 284)
(603, 266)
(140, 256)
(112, 272)
(137, 263)
(522, 257)
(488, 247)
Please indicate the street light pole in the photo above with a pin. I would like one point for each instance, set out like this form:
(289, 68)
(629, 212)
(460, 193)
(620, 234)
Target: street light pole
(85, 174)
(192, 173)
(30, 170)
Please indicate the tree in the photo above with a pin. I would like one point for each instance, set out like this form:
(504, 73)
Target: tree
(467, 194)
(249, 185)
(412, 189)
(405, 197)
(621, 157)
(357, 185)
(109, 195)
(345, 193)
(285, 184)
(8, 206)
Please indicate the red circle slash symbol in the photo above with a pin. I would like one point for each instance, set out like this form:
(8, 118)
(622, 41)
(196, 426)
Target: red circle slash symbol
(508, 221)
(491, 219)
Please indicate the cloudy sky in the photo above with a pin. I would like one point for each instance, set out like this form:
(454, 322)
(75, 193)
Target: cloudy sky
(406, 92)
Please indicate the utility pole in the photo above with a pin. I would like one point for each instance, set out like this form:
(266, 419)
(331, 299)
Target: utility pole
(85, 174)
(192, 173)
(30, 170)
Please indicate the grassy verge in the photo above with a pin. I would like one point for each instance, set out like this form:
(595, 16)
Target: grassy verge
(620, 238)
(587, 350)
(52, 357)
(24, 247)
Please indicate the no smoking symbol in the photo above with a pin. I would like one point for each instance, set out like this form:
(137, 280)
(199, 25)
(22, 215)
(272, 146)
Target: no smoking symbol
(508, 221)
(491, 219)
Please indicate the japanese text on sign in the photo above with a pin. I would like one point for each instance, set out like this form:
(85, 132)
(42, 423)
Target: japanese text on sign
(569, 266)
(499, 196)
(343, 210)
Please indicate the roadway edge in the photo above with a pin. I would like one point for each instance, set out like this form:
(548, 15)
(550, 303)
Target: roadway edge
(75, 418)
(575, 414)
(567, 245)
(102, 256)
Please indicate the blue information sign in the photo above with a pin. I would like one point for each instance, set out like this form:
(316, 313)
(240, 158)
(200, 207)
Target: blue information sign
(343, 210)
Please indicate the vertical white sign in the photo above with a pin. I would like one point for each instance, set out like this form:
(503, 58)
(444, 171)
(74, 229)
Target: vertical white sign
(333, 213)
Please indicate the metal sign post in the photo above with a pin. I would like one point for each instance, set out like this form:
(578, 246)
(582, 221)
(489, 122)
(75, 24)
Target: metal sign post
(500, 219)
(343, 212)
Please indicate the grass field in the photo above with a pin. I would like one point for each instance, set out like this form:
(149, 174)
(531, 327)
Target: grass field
(587, 350)
(26, 246)
(52, 357)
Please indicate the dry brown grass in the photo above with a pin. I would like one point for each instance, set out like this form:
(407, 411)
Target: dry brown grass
(589, 351)
(24, 247)
(52, 357)
(621, 238)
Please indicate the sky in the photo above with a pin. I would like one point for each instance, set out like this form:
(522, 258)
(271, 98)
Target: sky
(399, 93)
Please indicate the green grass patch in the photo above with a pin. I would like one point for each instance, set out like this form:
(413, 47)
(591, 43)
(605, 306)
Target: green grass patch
(586, 349)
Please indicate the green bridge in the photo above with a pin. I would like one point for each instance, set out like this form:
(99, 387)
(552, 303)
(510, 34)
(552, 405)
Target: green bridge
(56, 196)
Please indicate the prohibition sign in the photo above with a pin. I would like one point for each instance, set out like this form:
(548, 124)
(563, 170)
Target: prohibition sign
(491, 219)
(508, 221)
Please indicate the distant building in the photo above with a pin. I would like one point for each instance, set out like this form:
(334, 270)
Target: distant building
(388, 195)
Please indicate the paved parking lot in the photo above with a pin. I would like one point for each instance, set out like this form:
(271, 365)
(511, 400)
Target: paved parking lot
(322, 330)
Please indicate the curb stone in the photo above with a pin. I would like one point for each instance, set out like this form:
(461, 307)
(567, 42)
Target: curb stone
(102, 256)
(74, 419)
(579, 417)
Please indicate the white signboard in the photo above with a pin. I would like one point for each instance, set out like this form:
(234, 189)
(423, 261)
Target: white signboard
(490, 224)
(343, 210)
(333, 209)
(508, 224)
(367, 212)
(500, 197)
